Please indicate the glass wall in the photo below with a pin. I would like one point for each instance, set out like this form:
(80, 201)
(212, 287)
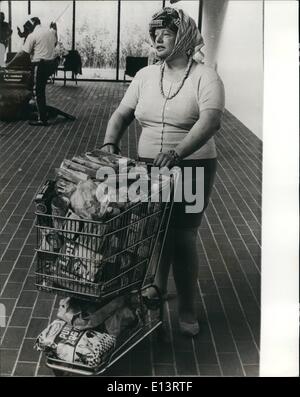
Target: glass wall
(96, 38)
(60, 12)
(134, 33)
(97, 25)
(4, 8)
(19, 12)
(191, 7)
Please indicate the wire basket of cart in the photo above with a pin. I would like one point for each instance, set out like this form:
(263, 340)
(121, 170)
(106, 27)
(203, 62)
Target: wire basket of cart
(99, 261)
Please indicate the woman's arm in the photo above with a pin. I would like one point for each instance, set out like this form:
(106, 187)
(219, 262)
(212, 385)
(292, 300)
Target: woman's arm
(207, 125)
(117, 125)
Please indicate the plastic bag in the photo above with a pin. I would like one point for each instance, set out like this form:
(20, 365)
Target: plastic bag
(74, 346)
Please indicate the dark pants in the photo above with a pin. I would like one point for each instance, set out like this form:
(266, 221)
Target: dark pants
(41, 72)
(179, 217)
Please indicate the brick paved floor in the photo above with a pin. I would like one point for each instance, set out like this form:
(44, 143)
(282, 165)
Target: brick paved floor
(229, 245)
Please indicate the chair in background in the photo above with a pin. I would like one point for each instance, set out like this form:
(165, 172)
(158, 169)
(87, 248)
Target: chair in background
(134, 64)
(71, 63)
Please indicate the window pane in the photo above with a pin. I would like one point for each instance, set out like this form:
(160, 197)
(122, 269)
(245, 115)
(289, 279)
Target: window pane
(60, 12)
(134, 32)
(19, 15)
(191, 7)
(4, 8)
(135, 40)
(96, 38)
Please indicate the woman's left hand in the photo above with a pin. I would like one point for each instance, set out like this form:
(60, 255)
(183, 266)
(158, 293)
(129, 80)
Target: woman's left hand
(168, 159)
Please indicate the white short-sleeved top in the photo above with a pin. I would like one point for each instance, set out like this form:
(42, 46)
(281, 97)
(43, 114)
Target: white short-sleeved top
(41, 43)
(164, 122)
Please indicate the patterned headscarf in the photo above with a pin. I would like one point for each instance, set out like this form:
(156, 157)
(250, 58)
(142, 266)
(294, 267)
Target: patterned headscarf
(188, 38)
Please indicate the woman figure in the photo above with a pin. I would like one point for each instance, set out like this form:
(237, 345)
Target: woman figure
(179, 104)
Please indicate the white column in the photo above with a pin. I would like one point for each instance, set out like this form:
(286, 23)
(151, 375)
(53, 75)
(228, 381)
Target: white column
(280, 216)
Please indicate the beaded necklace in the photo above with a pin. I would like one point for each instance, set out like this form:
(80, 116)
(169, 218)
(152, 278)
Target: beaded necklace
(186, 73)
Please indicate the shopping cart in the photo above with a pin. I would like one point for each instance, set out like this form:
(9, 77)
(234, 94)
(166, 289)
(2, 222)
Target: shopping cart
(98, 261)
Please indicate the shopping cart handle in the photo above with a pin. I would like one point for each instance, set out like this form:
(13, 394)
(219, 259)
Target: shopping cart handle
(111, 144)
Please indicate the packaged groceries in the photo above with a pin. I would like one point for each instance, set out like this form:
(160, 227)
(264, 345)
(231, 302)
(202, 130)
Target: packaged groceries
(84, 202)
(67, 311)
(100, 161)
(78, 262)
(106, 197)
(114, 317)
(79, 167)
(87, 333)
(59, 208)
(85, 315)
(64, 187)
(91, 201)
(74, 268)
(70, 175)
(98, 234)
(106, 311)
(92, 198)
(44, 197)
(51, 241)
(120, 320)
(72, 226)
(91, 236)
(99, 196)
(99, 245)
(74, 346)
(87, 163)
(112, 160)
(77, 312)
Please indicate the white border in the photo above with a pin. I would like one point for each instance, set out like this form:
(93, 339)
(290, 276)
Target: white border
(280, 203)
